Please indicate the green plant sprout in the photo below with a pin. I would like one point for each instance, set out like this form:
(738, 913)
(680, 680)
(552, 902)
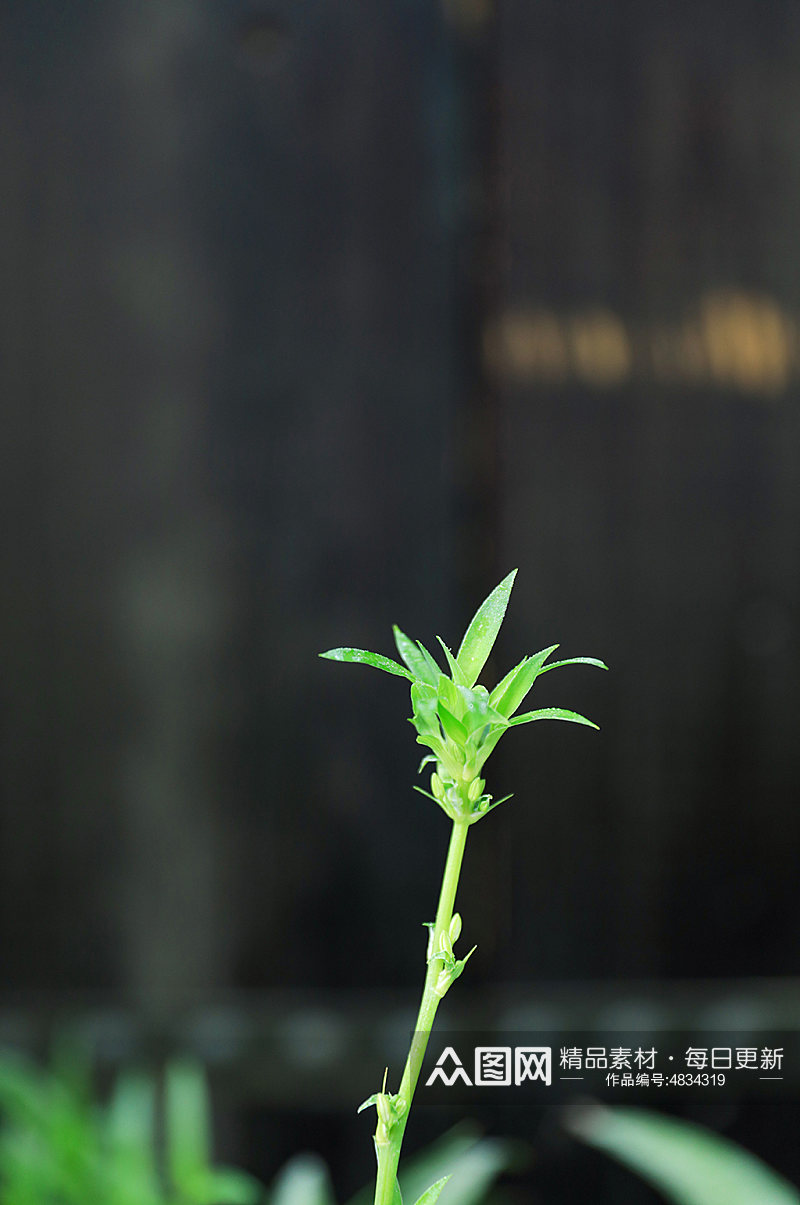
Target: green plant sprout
(461, 723)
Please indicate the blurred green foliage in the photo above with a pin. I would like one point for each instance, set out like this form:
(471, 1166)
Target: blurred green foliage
(471, 1163)
(687, 1164)
(150, 1144)
(59, 1146)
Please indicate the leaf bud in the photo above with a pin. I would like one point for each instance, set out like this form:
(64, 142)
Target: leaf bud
(476, 789)
(384, 1109)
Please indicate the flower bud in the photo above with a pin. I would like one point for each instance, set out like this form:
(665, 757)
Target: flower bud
(476, 789)
(455, 927)
(437, 787)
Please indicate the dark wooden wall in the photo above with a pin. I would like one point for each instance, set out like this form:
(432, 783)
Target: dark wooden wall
(314, 319)
(645, 347)
(228, 364)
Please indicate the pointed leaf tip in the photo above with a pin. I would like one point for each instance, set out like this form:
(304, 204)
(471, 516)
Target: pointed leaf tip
(575, 661)
(553, 713)
(456, 671)
(508, 695)
(429, 661)
(482, 632)
(431, 1195)
(414, 658)
(363, 657)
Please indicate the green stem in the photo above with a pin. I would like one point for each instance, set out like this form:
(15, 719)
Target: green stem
(388, 1145)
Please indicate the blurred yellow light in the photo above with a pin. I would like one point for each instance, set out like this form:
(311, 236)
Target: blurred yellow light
(730, 339)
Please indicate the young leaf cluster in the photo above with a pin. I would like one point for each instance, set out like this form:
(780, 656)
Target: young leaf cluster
(456, 718)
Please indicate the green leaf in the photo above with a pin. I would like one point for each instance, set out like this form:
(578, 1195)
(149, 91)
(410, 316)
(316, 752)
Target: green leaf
(495, 804)
(476, 713)
(481, 734)
(502, 685)
(221, 1186)
(453, 728)
(414, 658)
(130, 1130)
(481, 744)
(398, 1196)
(229, 1186)
(574, 661)
(456, 671)
(439, 802)
(362, 657)
(24, 1094)
(436, 743)
(552, 713)
(365, 1104)
(688, 1164)
(423, 704)
(431, 1195)
(430, 662)
(477, 1171)
(482, 632)
(448, 694)
(509, 694)
(303, 1181)
(187, 1122)
(474, 1170)
(131, 1115)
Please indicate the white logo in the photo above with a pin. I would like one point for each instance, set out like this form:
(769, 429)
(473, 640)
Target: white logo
(440, 1073)
(493, 1066)
(532, 1063)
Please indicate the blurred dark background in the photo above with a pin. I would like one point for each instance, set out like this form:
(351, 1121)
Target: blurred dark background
(316, 317)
